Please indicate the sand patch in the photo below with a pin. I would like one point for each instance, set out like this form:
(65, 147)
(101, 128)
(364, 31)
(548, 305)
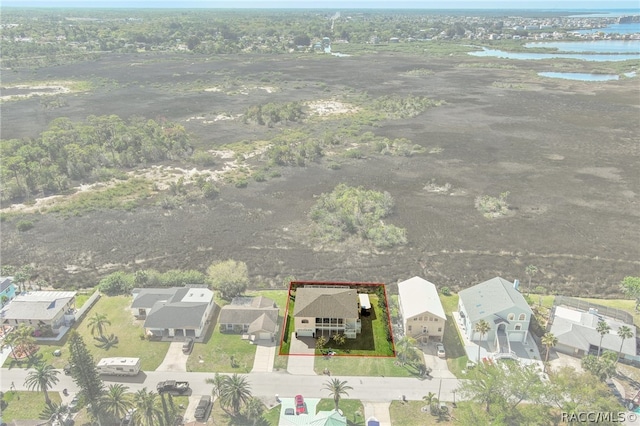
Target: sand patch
(324, 108)
(24, 91)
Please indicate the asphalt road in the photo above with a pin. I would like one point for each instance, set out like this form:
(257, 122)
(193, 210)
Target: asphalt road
(267, 385)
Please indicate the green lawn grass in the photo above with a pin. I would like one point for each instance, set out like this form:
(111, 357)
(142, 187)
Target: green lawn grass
(410, 414)
(22, 405)
(352, 409)
(456, 355)
(123, 325)
(359, 366)
(272, 416)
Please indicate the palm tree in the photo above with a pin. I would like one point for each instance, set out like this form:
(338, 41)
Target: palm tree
(530, 270)
(98, 322)
(23, 339)
(336, 389)
(235, 392)
(218, 382)
(147, 412)
(548, 340)
(116, 401)
(42, 378)
(602, 328)
(54, 413)
(483, 328)
(429, 397)
(625, 333)
(405, 348)
(254, 408)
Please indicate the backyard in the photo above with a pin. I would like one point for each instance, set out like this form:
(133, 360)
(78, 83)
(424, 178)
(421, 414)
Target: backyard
(456, 355)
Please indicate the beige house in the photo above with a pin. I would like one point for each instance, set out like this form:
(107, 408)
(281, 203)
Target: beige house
(422, 313)
(327, 310)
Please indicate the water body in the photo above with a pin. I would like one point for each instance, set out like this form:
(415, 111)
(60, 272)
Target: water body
(630, 28)
(596, 46)
(579, 76)
(540, 56)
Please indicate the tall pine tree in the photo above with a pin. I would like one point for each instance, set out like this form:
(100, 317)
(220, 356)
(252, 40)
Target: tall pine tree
(85, 373)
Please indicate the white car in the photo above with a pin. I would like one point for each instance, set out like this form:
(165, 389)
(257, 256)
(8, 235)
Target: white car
(440, 350)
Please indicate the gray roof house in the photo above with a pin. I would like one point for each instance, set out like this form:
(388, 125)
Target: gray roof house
(256, 317)
(327, 310)
(175, 312)
(41, 308)
(422, 313)
(577, 335)
(499, 303)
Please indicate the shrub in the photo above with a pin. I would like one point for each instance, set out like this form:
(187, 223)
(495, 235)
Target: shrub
(24, 225)
(209, 190)
(203, 159)
(492, 206)
(241, 183)
(446, 291)
(259, 177)
(116, 283)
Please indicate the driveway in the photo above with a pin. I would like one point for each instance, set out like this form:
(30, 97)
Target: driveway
(190, 412)
(379, 410)
(303, 360)
(174, 360)
(263, 361)
(439, 367)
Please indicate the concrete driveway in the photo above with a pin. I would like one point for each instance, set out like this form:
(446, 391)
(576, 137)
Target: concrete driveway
(303, 358)
(379, 410)
(265, 355)
(439, 367)
(174, 360)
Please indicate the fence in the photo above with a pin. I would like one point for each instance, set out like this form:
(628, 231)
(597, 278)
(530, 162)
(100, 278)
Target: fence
(87, 305)
(618, 314)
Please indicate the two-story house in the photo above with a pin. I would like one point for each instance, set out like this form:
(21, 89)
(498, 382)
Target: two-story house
(422, 313)
(327, 310)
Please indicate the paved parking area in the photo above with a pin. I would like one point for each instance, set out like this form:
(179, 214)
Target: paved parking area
(303, 360)
(379, 410)
(174, 360)
(439, 367)
(263, 361)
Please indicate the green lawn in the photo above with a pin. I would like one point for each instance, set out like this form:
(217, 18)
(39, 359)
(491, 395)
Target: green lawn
(352, 409)
(25, 405)
(359, 366)
(456, 355)
(123, 325)
(272, 417)
(410, 414)
(288, 329)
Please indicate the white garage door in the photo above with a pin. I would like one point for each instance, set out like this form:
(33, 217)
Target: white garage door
(264, 336)
(305, 333)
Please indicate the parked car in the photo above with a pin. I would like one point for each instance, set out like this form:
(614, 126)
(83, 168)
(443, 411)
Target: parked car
(289, 412)
(440, 350)
(187, 345)
(301, 408)
(73, 405)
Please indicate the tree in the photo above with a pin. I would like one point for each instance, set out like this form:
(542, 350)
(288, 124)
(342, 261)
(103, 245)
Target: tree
(572, 391)
(42, 378)
(530, 270)
(22, 338)
(483, 328)
(146, 411)
(405, 349)
(625, 333)
(54, 413)
(336, 389)
(602, 367)
(218, 383)
(98, 322)
(254, 410)
(116, 401)
(229, 277)
(548, 340)
(631, 288)
(84, 373)
(321, 341)
(235, 392)
(602, 328)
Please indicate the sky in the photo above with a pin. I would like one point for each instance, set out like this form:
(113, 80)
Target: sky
(336, 4)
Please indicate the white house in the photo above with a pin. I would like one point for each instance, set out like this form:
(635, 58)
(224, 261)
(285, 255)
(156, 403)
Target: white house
(422, 313)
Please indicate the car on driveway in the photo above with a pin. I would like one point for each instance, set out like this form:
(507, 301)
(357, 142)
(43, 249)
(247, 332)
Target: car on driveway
(440, 350)
(301, 408)
(187, 345)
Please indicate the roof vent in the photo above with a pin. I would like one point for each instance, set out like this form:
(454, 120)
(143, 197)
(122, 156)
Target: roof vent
(516, 284)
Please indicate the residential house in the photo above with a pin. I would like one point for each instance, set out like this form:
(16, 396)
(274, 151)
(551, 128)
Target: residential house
(423, 316)
(7, 290)
(256, 317)
(575, 329)
(41, 310)
(174, 312)
(326, 310)
(502, 306)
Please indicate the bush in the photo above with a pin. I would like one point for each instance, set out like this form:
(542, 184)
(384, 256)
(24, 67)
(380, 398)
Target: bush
(116, 283)
(209, 190)
(24, 225)
(241, 183)
(203, 159)
(446, 291)
(259, 177)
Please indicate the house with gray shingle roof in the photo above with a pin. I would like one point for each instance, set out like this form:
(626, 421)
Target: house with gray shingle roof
(422, 313)
(256, 317)
(499, 303)
(175, 312)
(38, 309)
(326, 310)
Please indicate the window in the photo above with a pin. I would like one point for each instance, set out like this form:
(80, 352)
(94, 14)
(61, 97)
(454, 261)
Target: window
(439, 329)
(305, 321)
(435, 319)
(409, 328)
(229, 326)
(522, 317)
(518, 327)
(424, 329)
(511, 317)
(415, 318)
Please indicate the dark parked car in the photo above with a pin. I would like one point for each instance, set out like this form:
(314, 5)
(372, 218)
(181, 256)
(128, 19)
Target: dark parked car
(187, 345)
(301, 408)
